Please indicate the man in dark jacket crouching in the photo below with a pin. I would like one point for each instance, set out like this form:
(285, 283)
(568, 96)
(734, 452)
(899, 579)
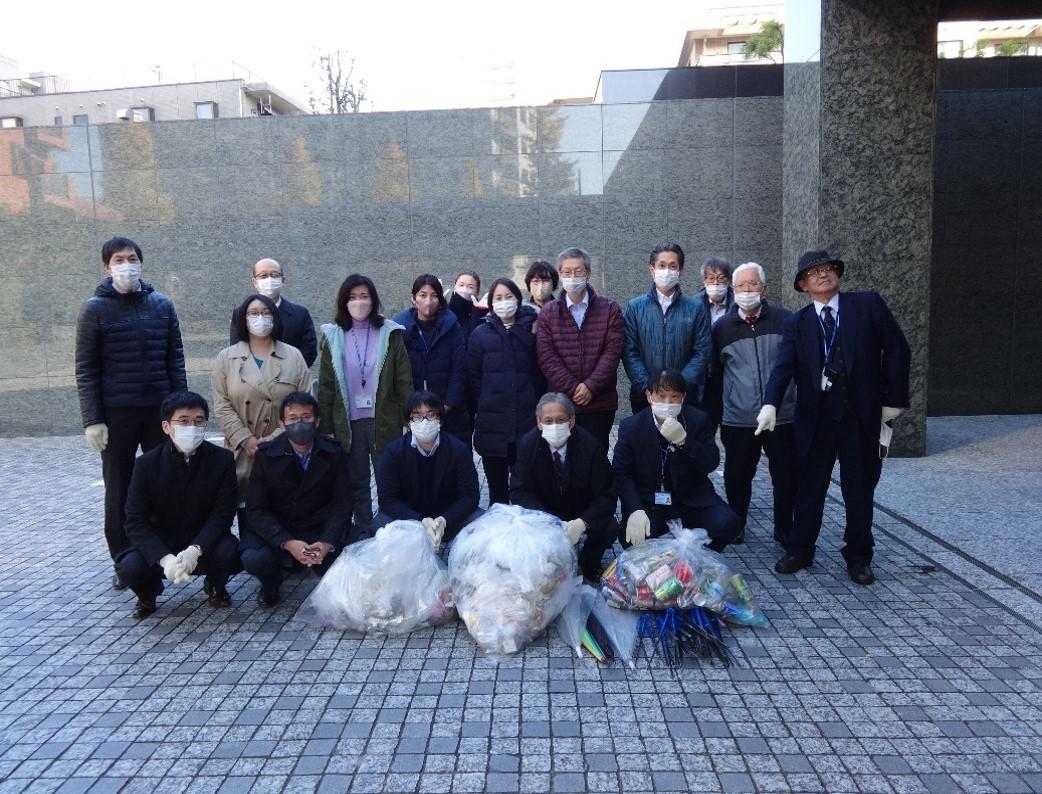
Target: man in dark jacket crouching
(179, 510)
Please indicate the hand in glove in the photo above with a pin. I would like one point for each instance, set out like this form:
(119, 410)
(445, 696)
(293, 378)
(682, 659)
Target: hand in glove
(172, 569)
(673, 431)
(638, 527)
(98, 436)
(891, 413)
(435, 531)
(766, 419)
(188, 559)
(574, 529)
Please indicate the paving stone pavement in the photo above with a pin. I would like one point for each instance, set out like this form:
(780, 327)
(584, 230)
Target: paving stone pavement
(921, 683)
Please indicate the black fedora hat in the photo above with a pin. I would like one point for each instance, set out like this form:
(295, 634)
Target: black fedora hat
(814, 259)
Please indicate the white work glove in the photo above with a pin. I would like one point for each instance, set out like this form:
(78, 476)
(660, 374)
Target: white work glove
(435, 531)
(766, 419)
(172, 569)
(638, 527)
(574, 529)
(98, 436)
(673, 431)
(891, 413)
(189, 558)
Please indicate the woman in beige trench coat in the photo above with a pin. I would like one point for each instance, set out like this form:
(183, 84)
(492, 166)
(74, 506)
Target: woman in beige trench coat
(250, 380)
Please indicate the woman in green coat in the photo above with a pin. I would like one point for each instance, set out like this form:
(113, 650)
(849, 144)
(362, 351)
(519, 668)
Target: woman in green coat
(364, 378)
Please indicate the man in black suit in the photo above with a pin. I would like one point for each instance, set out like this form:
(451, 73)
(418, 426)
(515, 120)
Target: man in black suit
(850, 362)
(298, 329)
(298, 501)
(180, 507)
(427, 475)
(662, 461)
(563, 470)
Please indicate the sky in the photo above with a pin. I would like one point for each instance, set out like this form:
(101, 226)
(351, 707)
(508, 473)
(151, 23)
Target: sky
(413, 55)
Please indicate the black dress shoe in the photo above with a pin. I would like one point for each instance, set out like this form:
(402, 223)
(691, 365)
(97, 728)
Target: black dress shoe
(780, 539)
(860, 573)
(116, 583)
(143, 609)
(218, 596)
(790, 563)
(266, 599)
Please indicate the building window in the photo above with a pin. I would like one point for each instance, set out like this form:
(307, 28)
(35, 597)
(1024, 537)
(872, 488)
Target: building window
(10, 122)
(949, 49)
(58, 121)
(142, 113)
(80, 119)
(206, 110)
(736, 48)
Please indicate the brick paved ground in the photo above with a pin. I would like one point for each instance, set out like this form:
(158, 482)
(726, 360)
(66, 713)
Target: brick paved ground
(920, 683)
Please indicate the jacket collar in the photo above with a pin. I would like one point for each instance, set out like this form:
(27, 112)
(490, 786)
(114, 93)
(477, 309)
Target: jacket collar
(106, 290)
(653, 293)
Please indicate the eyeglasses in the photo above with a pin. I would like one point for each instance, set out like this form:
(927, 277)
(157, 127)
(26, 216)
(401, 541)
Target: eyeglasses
(268, 275)
(561, 420)
(748, 285)
(581, 271)
(819, 270)
(293, 418)
(184, 421)
(430, 416)
(264, 313)
(716, 279)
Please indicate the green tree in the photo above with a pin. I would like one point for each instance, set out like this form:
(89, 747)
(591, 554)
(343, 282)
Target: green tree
(1012, 47)
(766, 43)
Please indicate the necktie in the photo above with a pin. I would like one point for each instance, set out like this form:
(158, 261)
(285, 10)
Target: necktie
(558, 464)
(828, 322)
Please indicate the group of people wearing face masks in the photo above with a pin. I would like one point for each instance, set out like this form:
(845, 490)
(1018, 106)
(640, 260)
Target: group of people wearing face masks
(528, 383)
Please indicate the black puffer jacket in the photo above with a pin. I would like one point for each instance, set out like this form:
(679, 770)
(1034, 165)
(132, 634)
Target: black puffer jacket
(128, 351)
(504, 381)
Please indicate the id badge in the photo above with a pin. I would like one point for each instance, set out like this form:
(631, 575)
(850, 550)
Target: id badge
(363, 402)
(664, 498)
(826, 382)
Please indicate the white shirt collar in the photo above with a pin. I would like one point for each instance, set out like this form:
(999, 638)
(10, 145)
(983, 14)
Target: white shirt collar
(422, 451)
(746, 315)
(665, 301)
(584, 302)
(834, 303)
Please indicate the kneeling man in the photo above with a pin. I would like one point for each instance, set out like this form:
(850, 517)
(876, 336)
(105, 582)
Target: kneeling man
(563, 469)
(180, 508)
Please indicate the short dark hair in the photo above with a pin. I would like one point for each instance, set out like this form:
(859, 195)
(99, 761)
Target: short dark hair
(541, 269)
(470, 273)
(427, 280)
(242, 329)
(509, 284)
(716, 263)
(299, 398)
(118, 244)
(423, 397)
(668, 380)
(177, 400)
(342, 316)
(667, 246)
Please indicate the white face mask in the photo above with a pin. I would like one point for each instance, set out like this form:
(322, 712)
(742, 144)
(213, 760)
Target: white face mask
(260, 326)
(425, 430)
(665, 410)
(556, 435)
(188, 438)
(359, 310)
(747, 300)
(270, 287)
(505, 309)
(466, 292)
(126, 277)
(666, 279)
(716, 292)
(573, 284)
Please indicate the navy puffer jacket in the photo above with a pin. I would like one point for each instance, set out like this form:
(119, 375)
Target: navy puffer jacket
(438, 365)
(504, 381)
(128, 351)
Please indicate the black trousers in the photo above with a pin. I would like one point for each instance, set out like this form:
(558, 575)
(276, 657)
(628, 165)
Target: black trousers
(598, 423)
(129, 428)
(718, 520)
(497, 475)
(859, 470)
(270, 565)
(218, 564)
(597, 541)
(743, 450)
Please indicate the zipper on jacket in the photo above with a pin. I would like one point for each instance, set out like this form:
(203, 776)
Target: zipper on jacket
(756, 350)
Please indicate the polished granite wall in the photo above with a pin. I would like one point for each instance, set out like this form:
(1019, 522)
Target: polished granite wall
(858, 158)
(389, 194)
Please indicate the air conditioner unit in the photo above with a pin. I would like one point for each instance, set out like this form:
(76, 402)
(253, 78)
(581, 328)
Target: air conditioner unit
(123, 114)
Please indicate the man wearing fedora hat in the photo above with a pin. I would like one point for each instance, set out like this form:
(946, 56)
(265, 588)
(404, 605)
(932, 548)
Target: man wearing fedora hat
(850, 362)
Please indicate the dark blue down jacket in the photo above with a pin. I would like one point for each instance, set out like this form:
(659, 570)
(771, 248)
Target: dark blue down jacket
(128, 351)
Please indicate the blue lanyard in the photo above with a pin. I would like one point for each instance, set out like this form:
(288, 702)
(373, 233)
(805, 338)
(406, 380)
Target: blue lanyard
(362, 359)
(664, 457)
(831, 343)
